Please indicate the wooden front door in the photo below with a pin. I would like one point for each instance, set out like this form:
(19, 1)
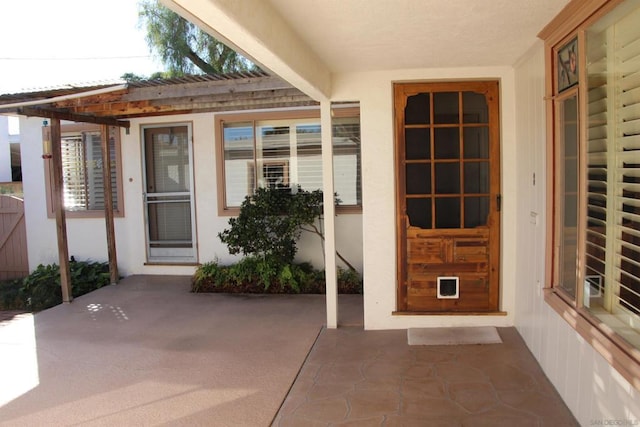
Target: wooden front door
(448, 196)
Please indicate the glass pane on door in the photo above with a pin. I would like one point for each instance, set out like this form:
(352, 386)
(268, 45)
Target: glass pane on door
(447, 159)
(168, 196)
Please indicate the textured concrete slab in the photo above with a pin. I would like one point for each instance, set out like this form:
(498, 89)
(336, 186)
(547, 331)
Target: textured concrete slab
(453, 336)
(374, 378)
(149, 352)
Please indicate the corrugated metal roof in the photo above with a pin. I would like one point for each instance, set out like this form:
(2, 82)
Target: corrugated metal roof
(51, 92)
(197, 78)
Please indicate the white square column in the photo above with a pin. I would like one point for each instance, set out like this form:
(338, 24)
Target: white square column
(331, 274)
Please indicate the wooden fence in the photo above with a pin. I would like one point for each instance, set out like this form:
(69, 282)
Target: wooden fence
(13, 239)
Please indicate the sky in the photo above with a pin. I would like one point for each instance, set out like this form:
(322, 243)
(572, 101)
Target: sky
(46, 43)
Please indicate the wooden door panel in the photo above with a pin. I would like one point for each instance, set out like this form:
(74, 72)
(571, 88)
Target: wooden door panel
(447, 161)
(474, 295)
(427, 250)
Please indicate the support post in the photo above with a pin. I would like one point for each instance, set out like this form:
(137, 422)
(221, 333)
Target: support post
(331, 275)
(108, 204)
(58, 207)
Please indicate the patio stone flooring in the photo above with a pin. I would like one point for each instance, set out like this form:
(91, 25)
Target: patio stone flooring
(148, 352)
(354, 377)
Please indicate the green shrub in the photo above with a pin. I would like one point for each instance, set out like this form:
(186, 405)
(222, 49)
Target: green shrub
(41, 289)
(270, 223)
(11, 297)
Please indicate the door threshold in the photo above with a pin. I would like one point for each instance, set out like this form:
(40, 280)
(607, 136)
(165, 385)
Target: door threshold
(449, 313)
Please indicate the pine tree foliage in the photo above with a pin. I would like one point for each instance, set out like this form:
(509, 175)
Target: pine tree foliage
(183, 47)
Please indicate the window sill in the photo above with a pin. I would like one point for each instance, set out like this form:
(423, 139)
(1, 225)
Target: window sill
(173, 263)
(85, 214)
(617, 352)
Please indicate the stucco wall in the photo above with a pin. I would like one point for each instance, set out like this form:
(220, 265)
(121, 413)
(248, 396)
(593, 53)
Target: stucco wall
(374, 91)
(87, 237)
(591, 388)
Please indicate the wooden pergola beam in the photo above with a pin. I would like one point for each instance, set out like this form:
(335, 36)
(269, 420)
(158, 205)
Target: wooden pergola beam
(55, 114)
(201, 104)
(108, 204)
(198, 89)
(58, 207)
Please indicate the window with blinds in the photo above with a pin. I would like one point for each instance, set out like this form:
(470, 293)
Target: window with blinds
(612, 255)
(83, 180)
(288, 153)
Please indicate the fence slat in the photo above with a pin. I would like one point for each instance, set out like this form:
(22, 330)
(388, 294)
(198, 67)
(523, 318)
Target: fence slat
(13, 236)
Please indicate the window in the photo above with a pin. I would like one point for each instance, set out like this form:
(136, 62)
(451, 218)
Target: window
(282, 150)
(83, 182)
(596, 170)
(612, 256)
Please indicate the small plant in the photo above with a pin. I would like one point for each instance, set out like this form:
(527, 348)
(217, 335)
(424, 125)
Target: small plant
(349, 281)
(212, 273)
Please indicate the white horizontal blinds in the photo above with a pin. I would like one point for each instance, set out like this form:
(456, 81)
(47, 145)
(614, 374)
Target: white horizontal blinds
(74, 172)
(627, 147)
(82, 169)
(288, 153)
(597, 170)
(168, 186)
(238, 142)
(94, 163)
(273, 152)
(346, 160)
(309, 156)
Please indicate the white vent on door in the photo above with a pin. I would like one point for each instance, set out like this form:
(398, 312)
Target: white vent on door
(448, 287)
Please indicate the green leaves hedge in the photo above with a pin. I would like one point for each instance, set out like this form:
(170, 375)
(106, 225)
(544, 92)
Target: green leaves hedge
(41, 289)
(263, 275)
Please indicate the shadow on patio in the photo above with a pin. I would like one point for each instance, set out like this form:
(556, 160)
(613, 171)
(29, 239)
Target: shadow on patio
(148, 352)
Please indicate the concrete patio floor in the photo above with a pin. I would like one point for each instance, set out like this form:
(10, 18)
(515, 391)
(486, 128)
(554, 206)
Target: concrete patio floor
(148, 352)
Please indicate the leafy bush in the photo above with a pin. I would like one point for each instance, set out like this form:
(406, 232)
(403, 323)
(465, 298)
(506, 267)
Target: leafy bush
(41, 289)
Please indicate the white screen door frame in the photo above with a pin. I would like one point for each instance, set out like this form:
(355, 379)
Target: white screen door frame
(168, 193)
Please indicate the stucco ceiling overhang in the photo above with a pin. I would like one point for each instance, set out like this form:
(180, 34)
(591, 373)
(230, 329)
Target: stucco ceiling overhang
(306, 41)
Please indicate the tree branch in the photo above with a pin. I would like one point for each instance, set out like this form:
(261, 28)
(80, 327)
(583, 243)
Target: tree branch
(319, 233)
(201, 63)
